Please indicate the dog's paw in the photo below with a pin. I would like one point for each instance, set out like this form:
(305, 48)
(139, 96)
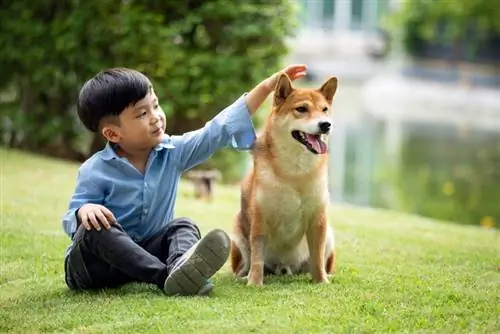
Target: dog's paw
(322, 281)
(255, 281)
(242, 274)
(241, 279)
(256, 284)
(323, 278)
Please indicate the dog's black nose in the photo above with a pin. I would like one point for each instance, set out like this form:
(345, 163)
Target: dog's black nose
(324, 127)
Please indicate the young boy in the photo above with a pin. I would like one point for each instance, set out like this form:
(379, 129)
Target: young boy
(121, 215)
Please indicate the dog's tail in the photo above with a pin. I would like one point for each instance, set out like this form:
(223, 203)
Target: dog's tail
(239, 260)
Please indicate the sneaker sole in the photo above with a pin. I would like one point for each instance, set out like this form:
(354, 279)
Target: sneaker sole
(209, 256)
(206, 289)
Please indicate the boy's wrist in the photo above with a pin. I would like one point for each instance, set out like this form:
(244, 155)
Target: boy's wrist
(268, 83)
(77, 217)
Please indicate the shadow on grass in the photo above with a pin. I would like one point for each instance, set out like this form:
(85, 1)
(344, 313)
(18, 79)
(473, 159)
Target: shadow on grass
(223, 281)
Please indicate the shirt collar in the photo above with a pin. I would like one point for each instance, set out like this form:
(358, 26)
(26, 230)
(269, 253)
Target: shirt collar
(109, 152)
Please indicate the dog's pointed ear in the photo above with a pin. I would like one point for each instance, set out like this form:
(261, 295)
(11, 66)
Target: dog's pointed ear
(329, 88)
(283, 89)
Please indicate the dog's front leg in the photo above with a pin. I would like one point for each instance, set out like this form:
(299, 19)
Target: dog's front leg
(256, 276)
(316, 240)
(257, 254)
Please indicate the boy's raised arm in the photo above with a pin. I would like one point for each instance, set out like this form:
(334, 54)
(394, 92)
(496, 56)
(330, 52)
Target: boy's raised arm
(231, 127)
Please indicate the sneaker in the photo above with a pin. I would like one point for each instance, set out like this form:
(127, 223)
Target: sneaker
(190, 274)
(206, 289)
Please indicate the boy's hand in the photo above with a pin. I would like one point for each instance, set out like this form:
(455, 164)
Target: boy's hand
(95, 215)
(259, 93)
(293, 71)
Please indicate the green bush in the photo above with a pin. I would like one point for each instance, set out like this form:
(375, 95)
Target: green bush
(471, 24)
(201, 55)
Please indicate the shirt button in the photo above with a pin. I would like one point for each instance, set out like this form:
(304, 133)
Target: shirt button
(145, 211)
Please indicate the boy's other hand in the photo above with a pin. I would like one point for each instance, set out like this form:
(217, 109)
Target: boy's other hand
(294, 72)
(95, 215)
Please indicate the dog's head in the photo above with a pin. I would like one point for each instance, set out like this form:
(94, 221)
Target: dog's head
(304, 115)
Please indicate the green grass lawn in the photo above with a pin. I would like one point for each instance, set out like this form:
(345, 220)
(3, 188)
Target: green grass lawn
(396, 273)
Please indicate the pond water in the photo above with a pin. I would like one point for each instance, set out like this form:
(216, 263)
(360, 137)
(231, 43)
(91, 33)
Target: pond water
(442, 169)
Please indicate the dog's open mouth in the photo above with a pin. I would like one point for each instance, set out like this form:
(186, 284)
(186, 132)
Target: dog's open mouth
(312, 142)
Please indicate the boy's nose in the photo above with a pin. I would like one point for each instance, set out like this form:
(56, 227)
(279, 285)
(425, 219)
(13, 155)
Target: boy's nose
(155, 119)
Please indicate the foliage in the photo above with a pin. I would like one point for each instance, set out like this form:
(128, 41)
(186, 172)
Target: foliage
(396, 273)
(472, 25)
(201, 56)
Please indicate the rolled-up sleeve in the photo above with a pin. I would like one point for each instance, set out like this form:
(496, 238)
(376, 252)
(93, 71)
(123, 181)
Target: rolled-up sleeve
(232, 127)
(86, 191)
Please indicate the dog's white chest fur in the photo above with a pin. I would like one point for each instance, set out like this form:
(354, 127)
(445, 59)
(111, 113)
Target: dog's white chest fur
(288, 213)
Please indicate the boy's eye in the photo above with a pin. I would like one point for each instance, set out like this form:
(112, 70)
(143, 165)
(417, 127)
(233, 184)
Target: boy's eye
(142, 114)
(301, 109)
(156, 106)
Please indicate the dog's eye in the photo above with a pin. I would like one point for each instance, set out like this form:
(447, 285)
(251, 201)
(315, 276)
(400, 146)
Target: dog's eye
(325, 109)
(301, 109)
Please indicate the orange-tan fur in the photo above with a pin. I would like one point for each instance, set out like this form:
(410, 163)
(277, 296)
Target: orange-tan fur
(282, 225)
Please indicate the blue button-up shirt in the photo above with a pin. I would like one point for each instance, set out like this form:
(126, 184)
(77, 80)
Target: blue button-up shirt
(144, 203)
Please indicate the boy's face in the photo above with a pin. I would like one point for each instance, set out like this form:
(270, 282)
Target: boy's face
(141, 126)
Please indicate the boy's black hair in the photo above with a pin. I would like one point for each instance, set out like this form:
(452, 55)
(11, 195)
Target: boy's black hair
(108, 93)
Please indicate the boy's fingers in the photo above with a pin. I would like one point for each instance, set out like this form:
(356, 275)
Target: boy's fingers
(109, 215)
(93, 221)
(297, 68)
(298, 75)
(85, 222)
(102, 218)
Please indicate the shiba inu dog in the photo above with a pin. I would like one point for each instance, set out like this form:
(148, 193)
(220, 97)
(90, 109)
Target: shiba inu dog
(282, 225)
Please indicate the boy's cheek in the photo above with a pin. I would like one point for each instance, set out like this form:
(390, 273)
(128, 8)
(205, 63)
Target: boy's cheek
(163, 118)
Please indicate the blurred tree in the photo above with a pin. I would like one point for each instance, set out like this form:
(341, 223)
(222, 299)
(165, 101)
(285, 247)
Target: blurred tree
(452, 30)
(201, 55)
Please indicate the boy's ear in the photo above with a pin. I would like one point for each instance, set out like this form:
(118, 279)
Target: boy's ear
(111, 133)
(329, 88)
(283, 89)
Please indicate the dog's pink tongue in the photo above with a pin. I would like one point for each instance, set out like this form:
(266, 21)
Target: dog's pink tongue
(316, 143)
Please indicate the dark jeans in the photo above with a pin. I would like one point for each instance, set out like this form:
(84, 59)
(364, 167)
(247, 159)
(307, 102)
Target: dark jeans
(110, 258)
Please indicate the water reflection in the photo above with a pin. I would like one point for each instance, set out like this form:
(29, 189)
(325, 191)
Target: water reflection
(436, 169)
